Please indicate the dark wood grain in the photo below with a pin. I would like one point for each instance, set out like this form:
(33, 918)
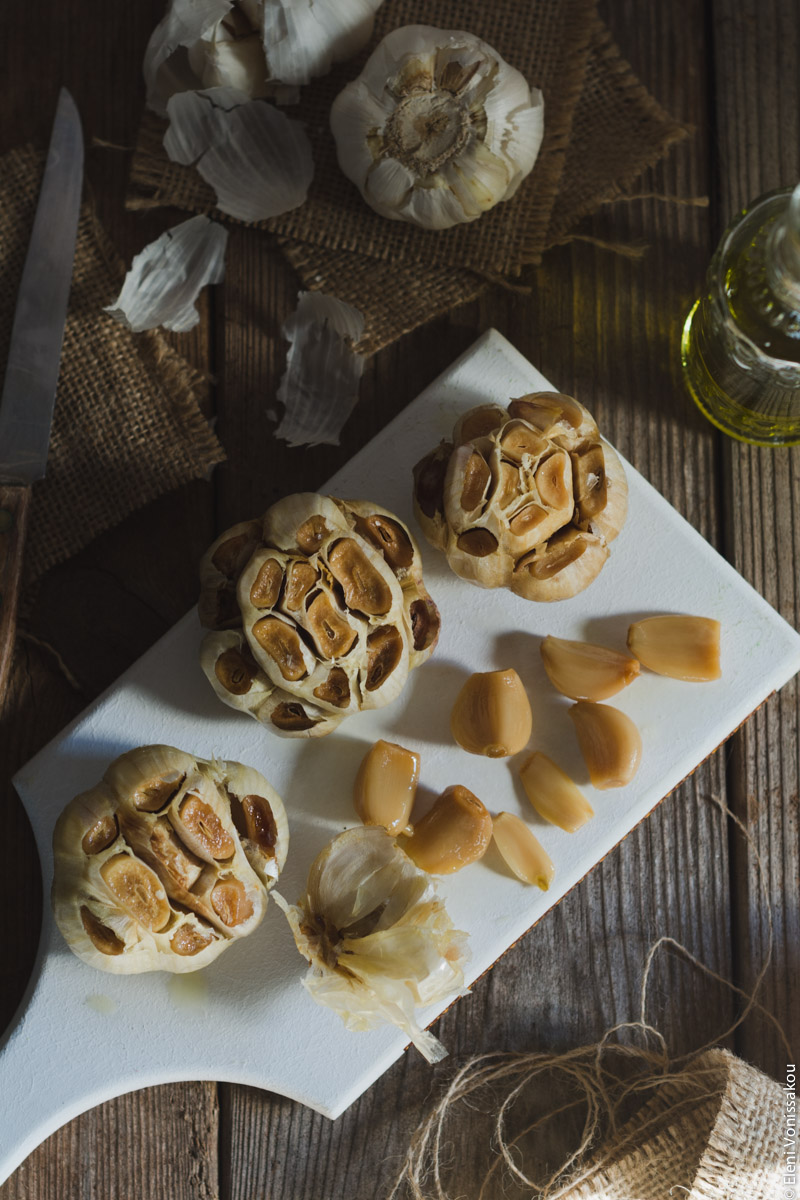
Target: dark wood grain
(14, 510)
(603, 326)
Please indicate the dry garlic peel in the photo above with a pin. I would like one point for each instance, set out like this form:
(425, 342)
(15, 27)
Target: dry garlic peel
(257, 46)
(385, 786)
(610, 743)
(527, 497)
(584, 671)
(455, 832)
(377, 937)
(554, 796)
(438, 128)
(681, 647)
(166, 862)
(492, 714)
(522, 852)
(329, 606)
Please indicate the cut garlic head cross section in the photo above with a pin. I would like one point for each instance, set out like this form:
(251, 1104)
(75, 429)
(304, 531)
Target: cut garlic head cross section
(526, 497)
(321, 615)
(167, 861)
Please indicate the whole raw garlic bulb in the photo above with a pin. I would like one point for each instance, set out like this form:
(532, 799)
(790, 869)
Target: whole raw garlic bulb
(377, 936)
(319, 611)
(437, 128)
(166, 862)
(525, 497)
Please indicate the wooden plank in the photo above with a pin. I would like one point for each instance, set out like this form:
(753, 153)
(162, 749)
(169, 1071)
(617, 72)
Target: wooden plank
(756, 48)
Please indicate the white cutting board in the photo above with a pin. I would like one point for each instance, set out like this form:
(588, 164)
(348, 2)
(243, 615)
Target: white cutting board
(83, 1036)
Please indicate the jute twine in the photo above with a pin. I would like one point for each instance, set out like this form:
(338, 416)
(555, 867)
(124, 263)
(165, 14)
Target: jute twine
(706, 1126)
(126, 425)
(603, 129)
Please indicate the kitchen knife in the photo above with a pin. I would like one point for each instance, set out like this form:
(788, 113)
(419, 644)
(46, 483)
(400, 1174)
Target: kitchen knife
(34, 354)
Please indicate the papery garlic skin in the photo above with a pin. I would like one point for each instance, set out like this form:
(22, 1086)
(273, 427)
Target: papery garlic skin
(377, 937)
(438, 128)
(166, 862)
(258, 46)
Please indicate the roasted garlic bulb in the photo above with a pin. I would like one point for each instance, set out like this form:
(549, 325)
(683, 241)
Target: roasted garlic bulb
(378, 938)
(525, 497)
(166, 862)
(320, 611)
(438, 128)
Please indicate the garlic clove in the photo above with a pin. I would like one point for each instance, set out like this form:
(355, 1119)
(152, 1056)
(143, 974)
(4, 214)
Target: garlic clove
(554, 796)
(682, 647)
(561, 567)
(522, 851)
(584, 671)
(492, 714)
(455, 832)
(385, 786)
(610, 743)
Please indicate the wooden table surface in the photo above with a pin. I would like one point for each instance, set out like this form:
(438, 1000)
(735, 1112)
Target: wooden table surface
(604, 327)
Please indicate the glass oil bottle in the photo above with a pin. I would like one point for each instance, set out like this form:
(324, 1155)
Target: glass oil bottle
(741, 342)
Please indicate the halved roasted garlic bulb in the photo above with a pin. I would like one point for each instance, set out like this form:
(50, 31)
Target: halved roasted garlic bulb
(167, 861)
(527, 497)
(320, 614)
(378, 938)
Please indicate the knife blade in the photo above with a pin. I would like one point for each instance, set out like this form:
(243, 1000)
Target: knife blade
(34, 355)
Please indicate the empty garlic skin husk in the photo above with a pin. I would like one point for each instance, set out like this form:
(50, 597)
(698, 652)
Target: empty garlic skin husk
(438, 128)
(330, 608)
(378, 939)
(151, 871)
(528, 497)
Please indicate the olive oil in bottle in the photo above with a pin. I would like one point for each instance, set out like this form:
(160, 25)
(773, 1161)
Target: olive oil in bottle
(741, 341)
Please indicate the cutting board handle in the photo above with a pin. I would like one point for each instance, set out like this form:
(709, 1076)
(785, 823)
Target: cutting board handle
(14, 508)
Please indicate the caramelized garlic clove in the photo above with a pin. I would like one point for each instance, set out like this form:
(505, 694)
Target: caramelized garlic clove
(453, 833)
(554, 796)
(385, 786)
(560, 568)
(610, 743)
(681, 647)
(492, 714)
(138, 890)
(220, 568)
(522, 851)
(584, 671)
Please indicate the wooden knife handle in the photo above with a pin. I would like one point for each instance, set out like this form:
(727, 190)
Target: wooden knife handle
(14, 507)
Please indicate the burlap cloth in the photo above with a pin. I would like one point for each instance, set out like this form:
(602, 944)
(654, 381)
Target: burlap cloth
(728, 1146)
(602, 129)
(126, 425)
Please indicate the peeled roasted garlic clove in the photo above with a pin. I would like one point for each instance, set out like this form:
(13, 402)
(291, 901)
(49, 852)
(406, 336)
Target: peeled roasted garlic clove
(151, 871)
(553, 794)
(492, 714)
(453, 833)
(522, 851)
(385, 786)
(377, 936)
(438, 128)
(610, 743)
(324, 612)
(682, 647)
(528, 497)
(584, 671)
